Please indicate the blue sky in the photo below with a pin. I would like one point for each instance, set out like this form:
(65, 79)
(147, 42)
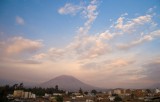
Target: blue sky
(83, 38)
(41, 17)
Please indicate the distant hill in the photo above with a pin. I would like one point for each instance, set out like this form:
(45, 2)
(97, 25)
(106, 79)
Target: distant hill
(157, 85)
(4, 82)
(68, 83)
(7, 82)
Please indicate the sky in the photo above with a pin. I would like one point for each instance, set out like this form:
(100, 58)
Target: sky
(105, 43)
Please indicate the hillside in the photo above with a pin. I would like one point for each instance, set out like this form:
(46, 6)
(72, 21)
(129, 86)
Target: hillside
(69, 83)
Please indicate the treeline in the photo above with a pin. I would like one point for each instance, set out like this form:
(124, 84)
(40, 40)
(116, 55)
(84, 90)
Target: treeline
(41, 91)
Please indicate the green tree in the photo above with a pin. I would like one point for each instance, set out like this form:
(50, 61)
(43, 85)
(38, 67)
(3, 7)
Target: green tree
(56, 88)
(80, 91)
(118, 99)
(86, 93)
(20, 86)
(3, 93)
(148, 91)
(94, 92)
(59, 98)
(15, 86)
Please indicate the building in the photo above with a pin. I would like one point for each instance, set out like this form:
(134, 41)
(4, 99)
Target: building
(117, 91)
(18, 93)
(33, 96)
(111, 98)
(157, 90)
(27, 95)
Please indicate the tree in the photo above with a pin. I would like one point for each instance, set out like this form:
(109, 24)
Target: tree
(20, 86)
(59, 98)
(148, 90)
(115, 95)
(15, 86)
(3, 93)
(56, 88)
(132, 96)
(117, 99)
(86, 93)
(80, 91)
(94, 92)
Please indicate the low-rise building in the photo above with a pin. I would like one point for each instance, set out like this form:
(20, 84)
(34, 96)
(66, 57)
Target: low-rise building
(117, 91)
(33, 96)
(157, 90)
(57, 94)
(18, 93)
(89, 100)
(111, 98)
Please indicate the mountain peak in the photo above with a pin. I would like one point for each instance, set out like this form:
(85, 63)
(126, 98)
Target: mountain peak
(64, 76)
(67, 82)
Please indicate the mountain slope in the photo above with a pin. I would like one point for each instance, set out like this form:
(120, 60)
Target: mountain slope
(157, 85)
(69, 83)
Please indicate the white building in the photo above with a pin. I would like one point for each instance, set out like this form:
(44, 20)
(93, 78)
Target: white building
(26, 94)
(88, 100)
(18, 93)
(111, 98)
(117, 91)
(22, 94)
(157, 90)
(110, 93)
(57, 94)
(33, 96)
(79, 96)
(47, 95)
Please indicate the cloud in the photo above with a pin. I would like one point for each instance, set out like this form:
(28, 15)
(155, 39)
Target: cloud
(92, 65)
(120, 63)
(109, 64)
(83, 45)
(151, 9)
(125, 14)
(92, 47)
(106, 35)
(90, 13)
(100, 53)
(97, 57)
(147, 73)
(134, 43)
(40, 56)
(20, 20)
(29, 61)
(143, 39)
(152, 70)
(155, 33)
(18, 45)
(131, 24)
(69, 9)
(86, 46)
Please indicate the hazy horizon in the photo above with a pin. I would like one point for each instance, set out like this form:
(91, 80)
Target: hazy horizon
(104, 43)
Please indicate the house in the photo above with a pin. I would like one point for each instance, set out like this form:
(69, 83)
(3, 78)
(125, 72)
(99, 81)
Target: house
(89, 100)
(18, 93)
(27, 95)
(117, 91)
(57, 94)
(111, 98)
(157, 90)
(33, 96)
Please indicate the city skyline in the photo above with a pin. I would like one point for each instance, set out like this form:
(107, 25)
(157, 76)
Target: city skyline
(105, 43)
